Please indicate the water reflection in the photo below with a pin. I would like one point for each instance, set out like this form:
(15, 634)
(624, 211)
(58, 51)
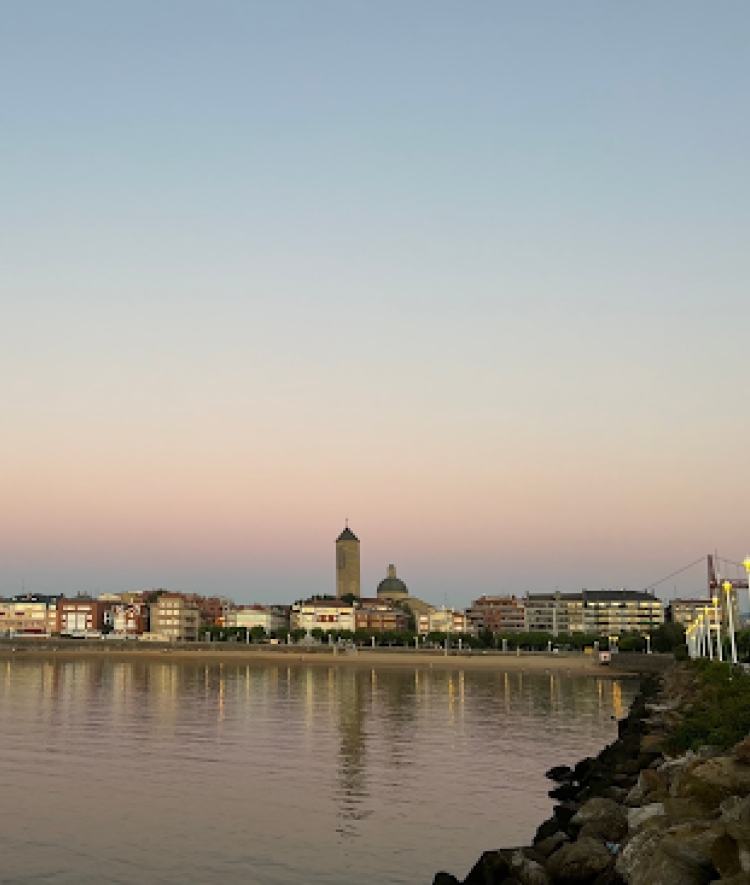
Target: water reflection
(275, 773)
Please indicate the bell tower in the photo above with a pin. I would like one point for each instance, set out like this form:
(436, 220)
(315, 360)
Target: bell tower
(347, 563)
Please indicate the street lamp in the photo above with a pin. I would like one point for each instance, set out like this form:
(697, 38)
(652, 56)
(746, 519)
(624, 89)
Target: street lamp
(692, 640)
(728, 590)
(717, 621)
(707, 625)
(648, 643)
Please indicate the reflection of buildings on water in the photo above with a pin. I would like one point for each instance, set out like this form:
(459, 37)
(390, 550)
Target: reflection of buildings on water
(352, 703)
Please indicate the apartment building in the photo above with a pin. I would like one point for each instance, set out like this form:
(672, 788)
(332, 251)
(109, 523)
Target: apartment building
(272, 618)
(602, 612)
(174, 619)
(82, 615)
(686, 611)
(377, 616)
(130, 619)
(29, 615)
(443, 620)
(499, 614)
(323, 614)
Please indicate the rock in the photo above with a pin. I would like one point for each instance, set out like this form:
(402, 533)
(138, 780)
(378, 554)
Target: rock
(546, 829)
(526, 870)
(560, 773)
(681, 810)
(616, 793)
(443, 878)
(637, 817)
(551, 843)
(710, 782)
(723, 774)
(725, 856)
(741, 751)
(740, 879)
(602, 819)
(564, 812)
(691, 843)
(564, 792)
(579, 862)
(650, 781)
(643, 862)
(492, 868)
(652, 743)
(583, 768)
(735, 815)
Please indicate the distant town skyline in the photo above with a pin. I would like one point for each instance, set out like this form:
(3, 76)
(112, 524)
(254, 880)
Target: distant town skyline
(475, 276)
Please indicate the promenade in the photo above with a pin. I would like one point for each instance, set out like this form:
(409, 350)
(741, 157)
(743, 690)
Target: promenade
(569, 663)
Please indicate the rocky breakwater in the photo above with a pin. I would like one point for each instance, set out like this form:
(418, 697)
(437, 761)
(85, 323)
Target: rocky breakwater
(637, 813)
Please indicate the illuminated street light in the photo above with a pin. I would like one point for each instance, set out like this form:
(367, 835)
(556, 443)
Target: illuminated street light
(717, 621)
(691, 640)
(728, 590)
(707, 623)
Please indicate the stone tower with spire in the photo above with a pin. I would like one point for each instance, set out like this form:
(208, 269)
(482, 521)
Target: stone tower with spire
(347, 564)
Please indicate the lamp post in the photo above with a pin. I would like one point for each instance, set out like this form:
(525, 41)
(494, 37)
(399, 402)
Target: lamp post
(707, 623)
(728, 590)
(717, 621)
(648, 643)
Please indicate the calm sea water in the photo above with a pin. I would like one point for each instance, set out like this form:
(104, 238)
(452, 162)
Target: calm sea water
(139, 773)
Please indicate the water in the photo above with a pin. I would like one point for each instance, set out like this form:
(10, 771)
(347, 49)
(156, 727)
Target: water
(149, 772)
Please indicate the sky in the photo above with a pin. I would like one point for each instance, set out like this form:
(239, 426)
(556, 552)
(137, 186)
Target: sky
(473, 275)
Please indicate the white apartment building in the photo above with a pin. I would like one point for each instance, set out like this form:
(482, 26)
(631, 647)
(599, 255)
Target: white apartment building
(443, 620)
(272, 618)
(323, 614)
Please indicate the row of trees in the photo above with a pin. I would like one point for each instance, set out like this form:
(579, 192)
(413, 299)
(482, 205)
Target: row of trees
(665, 638)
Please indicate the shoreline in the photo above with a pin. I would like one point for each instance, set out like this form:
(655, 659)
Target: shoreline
(640, 813)
(529, 662)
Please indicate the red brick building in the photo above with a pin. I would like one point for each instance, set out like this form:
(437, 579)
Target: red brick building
(81, 615)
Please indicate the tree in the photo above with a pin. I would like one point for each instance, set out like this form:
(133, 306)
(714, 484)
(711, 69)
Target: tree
(257, 633)
(668, 637)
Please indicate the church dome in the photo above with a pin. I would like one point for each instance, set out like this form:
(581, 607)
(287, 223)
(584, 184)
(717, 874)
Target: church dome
(392, 587)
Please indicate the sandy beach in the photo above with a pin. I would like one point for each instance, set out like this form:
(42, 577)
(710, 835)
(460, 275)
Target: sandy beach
(529, 662)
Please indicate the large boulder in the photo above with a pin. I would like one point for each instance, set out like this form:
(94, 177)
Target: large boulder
(507, 866)
(741, 751)
(651, 785)
(692, 842)
(551, 843)
(580, 862)
(602, 819)
(443, 878)
(560, 773)
(712, 781)
(681, 810)
(735, 815)
(643, 861)
(726, 857)
(637, 817)
(492, 868)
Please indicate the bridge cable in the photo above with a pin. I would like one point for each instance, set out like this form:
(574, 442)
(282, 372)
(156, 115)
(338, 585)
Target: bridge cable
(678, 572)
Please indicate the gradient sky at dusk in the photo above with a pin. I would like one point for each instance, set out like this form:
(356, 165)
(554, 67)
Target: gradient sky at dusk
(475, 275)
